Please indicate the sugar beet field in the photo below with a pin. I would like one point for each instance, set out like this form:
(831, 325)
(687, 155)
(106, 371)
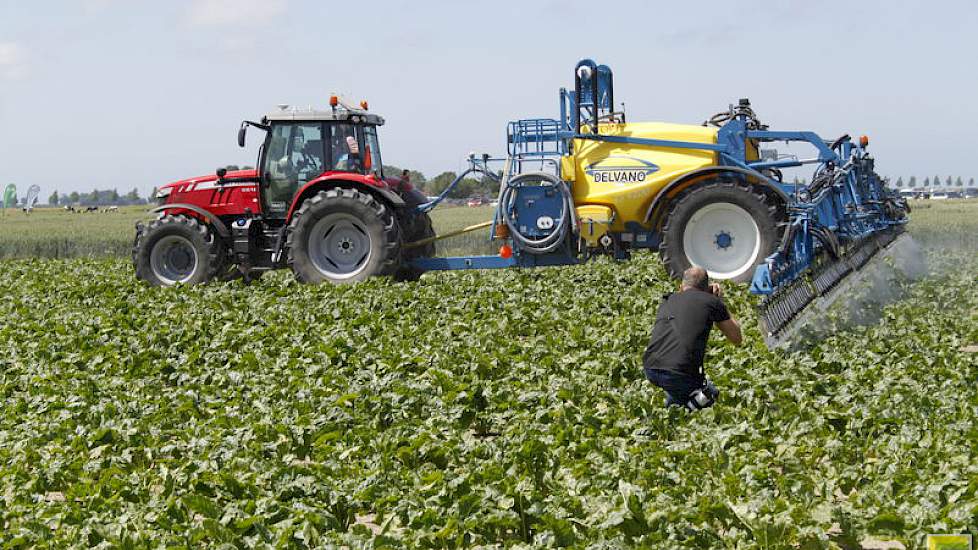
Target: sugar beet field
(503, 408)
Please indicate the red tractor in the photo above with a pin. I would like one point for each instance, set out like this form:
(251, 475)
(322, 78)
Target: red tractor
(318, 203)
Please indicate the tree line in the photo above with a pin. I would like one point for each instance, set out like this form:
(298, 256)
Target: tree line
(111, 197)
(928, 182)
(468, 187)
(471, 187)
(935, 182)
(97, 197)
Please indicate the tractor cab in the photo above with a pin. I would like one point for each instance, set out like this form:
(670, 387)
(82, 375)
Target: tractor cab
(303, 145)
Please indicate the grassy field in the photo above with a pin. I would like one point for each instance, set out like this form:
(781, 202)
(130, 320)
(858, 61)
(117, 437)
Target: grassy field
(945, 224)
(475, 409)
(55, 233)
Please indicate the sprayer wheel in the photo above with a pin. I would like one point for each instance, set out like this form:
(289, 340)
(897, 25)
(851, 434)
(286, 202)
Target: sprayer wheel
(723, 225)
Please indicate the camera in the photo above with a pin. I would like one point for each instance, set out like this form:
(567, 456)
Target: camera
(704, 397)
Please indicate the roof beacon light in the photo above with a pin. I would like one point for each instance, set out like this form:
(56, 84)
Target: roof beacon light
(334, 101)
(363, 104)
(863, 141)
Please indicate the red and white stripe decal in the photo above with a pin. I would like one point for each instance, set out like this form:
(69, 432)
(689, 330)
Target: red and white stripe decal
(203, 186)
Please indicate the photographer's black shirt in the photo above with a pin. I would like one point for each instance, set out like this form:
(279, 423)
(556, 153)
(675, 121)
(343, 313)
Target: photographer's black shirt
(682, 327)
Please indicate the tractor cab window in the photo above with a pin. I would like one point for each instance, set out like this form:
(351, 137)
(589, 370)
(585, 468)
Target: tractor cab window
(371, 156)
(345, 148)
(294, 156)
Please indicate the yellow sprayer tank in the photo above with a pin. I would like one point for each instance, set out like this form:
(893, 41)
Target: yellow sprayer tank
(627, 177)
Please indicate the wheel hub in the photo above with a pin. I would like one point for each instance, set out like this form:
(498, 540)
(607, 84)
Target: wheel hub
(723, 240)
(173, 259)
(180, 258)
(345, 246)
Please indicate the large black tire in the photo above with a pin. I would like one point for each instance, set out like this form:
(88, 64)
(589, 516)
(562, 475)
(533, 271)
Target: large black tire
(342, 236)
(415, 228)
(728, 226)
(177, 249)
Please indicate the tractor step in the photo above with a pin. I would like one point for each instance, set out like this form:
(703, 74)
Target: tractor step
(784, 315)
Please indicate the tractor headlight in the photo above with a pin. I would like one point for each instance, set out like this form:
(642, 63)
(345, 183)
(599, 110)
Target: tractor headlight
(161, 195)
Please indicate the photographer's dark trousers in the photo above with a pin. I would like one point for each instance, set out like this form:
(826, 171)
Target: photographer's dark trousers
(679, 387)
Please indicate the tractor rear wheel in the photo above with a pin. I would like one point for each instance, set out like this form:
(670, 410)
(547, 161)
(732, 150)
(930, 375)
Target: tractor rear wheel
(342, 236)
(724, 226)
(177, 249)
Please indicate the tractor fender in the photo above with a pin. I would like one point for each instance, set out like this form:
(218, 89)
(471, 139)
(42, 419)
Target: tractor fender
(656, 208)
(313, 187)
(219, 226)
(388, 194)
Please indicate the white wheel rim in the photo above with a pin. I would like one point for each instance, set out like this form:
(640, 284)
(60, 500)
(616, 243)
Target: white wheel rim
(722, 238)
(339, 246)
(173, 259)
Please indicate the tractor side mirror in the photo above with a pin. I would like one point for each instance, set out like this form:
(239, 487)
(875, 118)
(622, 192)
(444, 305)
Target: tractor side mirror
(241, 134)
(221, 172)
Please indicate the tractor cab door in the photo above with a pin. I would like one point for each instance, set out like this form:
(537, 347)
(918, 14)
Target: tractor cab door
(294, 155)
(371, 155)
(354, 148)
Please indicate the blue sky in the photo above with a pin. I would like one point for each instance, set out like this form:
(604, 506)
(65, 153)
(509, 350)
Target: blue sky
(116, 93)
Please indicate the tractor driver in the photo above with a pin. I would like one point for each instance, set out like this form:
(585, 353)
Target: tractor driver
(673, 359)
(346, 149)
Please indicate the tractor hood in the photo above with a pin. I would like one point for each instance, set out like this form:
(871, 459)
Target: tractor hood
(191, 184)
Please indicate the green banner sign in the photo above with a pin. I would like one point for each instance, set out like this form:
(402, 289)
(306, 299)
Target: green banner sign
(10, 196)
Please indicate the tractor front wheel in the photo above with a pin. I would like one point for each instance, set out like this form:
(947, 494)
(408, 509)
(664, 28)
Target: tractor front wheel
(723, 226)
(342, 236)
(177, 249)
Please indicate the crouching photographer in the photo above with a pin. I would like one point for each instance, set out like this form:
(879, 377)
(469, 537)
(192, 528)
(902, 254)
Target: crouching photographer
(673, 359)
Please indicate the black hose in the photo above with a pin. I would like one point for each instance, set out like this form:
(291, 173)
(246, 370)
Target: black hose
(786, 239)
(828, 240)
(564, 225)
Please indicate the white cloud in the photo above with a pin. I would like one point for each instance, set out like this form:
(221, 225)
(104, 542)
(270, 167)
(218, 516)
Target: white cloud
(12, 61)
(233, 12)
